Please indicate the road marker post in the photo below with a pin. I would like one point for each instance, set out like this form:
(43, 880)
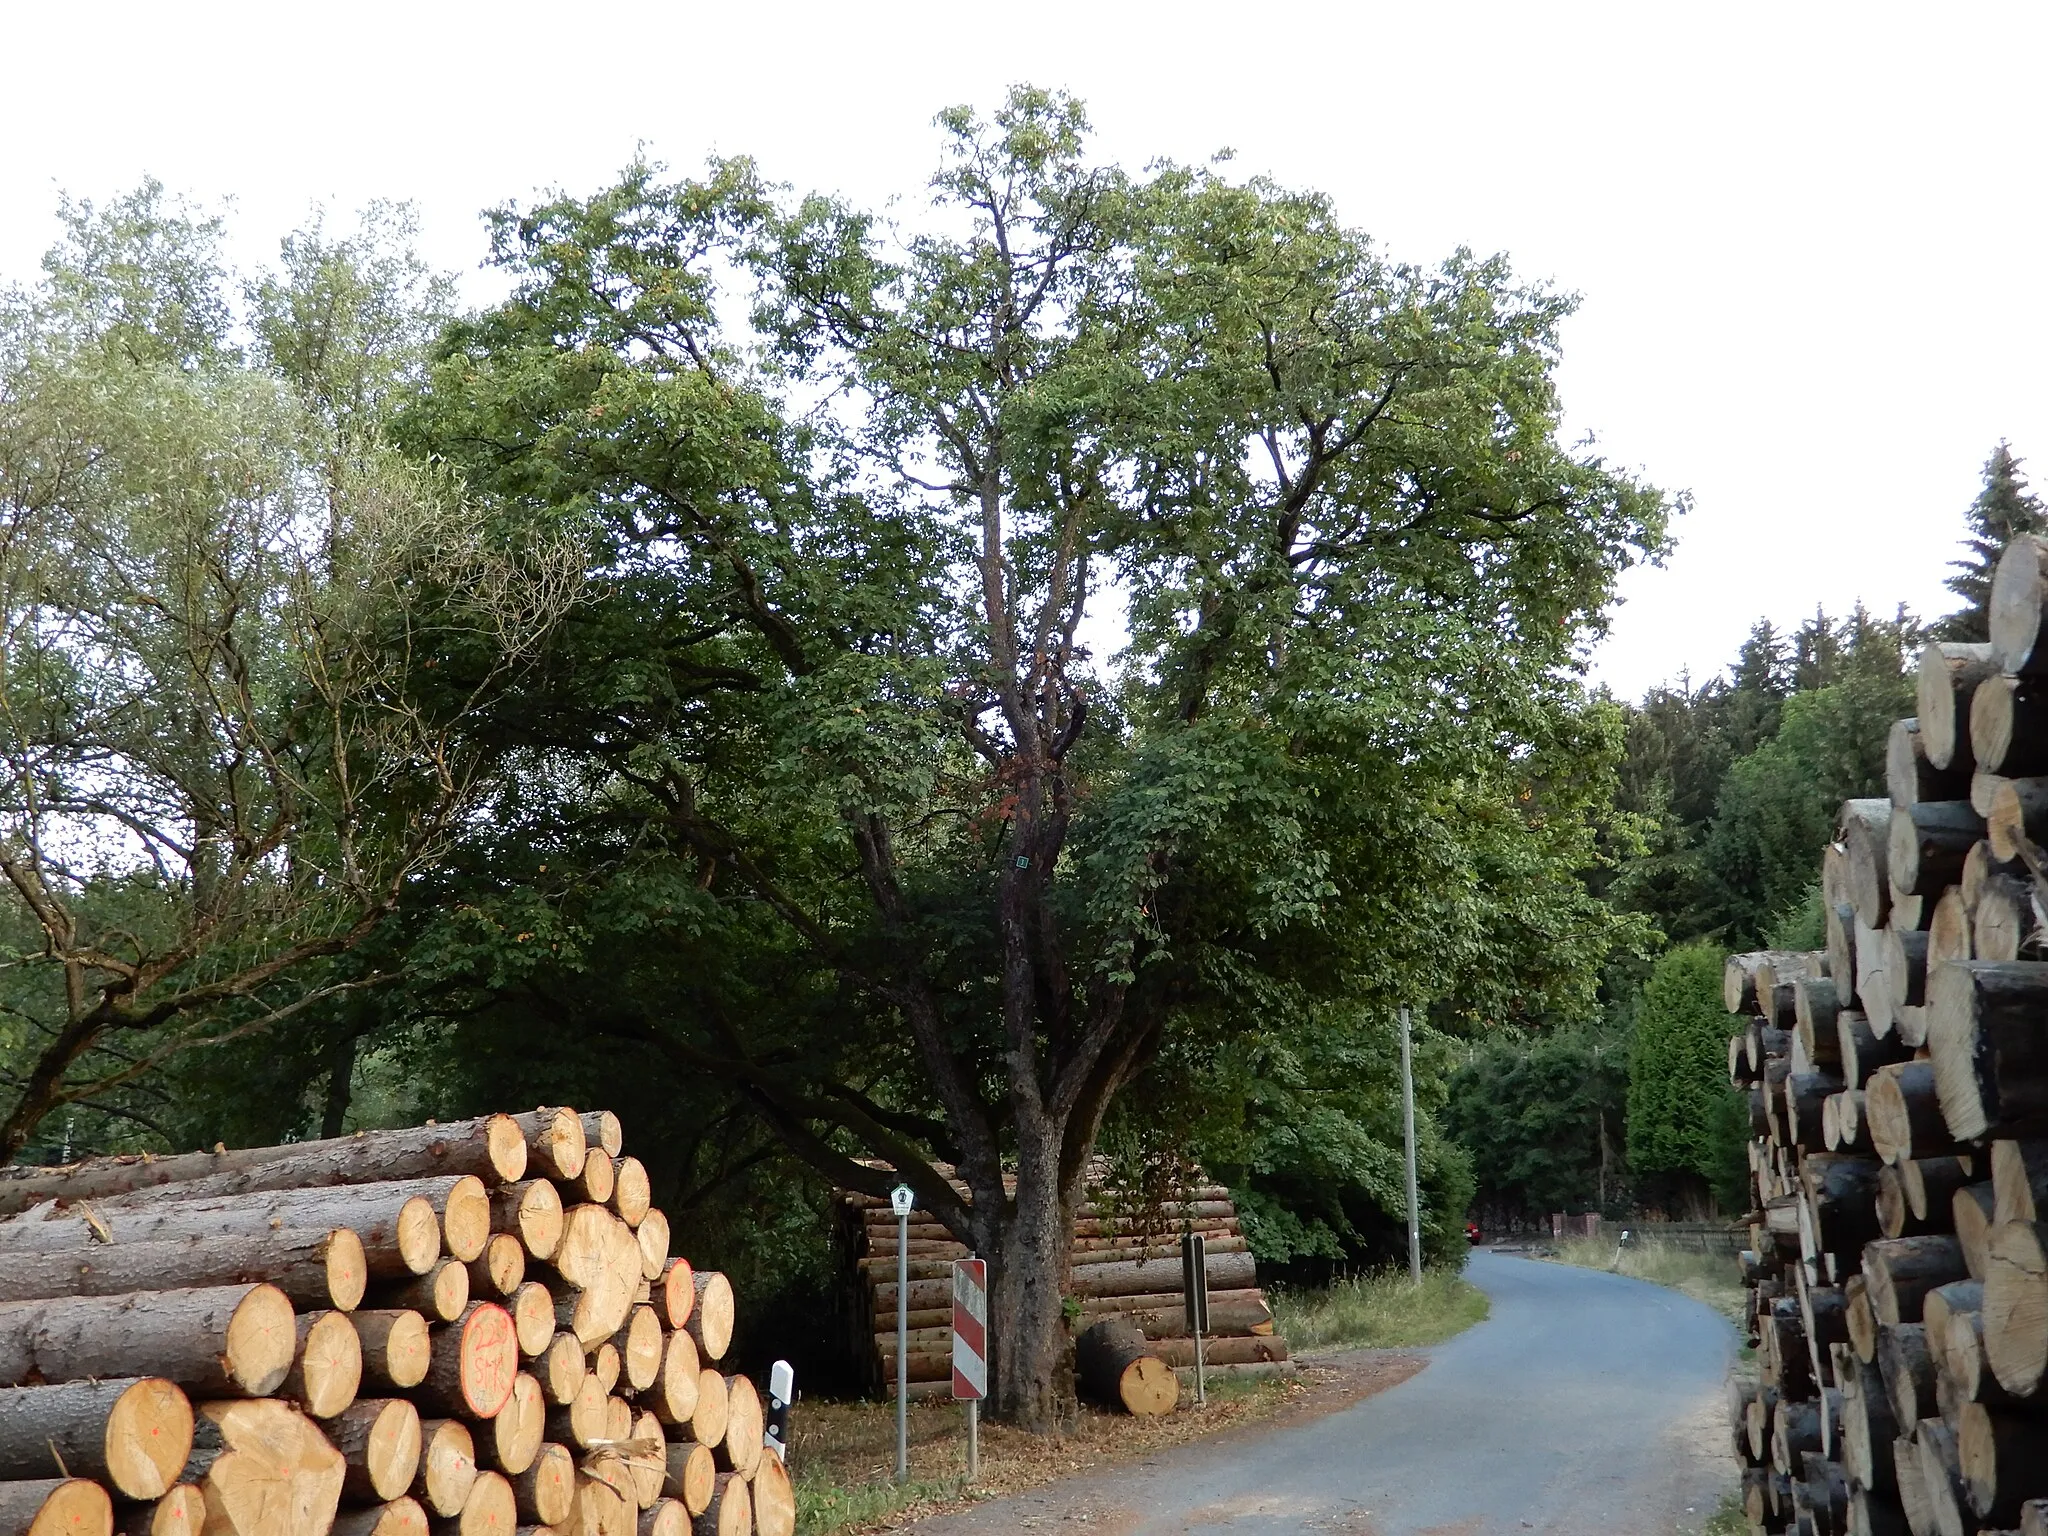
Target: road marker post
(901, 1199)
(970, 1350)
(1194, 1286)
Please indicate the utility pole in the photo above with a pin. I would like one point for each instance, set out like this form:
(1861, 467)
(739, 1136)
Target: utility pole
(1408, 1135)
(902, 1198)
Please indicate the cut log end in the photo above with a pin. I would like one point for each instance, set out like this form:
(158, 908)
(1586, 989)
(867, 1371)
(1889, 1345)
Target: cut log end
(711, 1314)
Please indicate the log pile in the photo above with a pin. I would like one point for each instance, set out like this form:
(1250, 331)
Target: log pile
(1124, 1263)
(1898, 1089)
(472, 1329)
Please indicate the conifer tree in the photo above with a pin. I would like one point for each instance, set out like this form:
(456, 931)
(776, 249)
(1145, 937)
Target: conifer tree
(2003, 510)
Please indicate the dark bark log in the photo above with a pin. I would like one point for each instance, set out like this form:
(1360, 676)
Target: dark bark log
(379, 1437)
(1902, 1105)
(1866, 838)
(1909, 777)
(1941, 1476)
(1930, 1184)
(2016, 1306)
(314, 1269)
(134, 1435)
(1898, 1272)
(1907, 1367)
(1815, 1007)
(1948, 675)
(1861, 1051)
(2015, 620)
(2003, 1458)
(2018, 819)
(223, 1341)
(472, 1365)
(1928, 843)
(1117, 1367)
(2009, 726)
(1989, 1052)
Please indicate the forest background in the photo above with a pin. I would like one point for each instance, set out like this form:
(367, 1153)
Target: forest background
(385, 591)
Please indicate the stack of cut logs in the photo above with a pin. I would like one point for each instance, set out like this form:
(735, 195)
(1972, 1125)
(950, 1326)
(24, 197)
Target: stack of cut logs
(471, 1329)
(1898, 1088)
(1125, 1263)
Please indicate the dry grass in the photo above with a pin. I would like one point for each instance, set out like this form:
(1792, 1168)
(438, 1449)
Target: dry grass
(1710, 1278)
(1384, 1310)
(844, 1454)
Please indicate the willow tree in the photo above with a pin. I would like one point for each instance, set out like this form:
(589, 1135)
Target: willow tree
(957, 878)
(218, 766)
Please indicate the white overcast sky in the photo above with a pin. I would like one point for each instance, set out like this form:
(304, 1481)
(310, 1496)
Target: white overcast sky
(1809, 238)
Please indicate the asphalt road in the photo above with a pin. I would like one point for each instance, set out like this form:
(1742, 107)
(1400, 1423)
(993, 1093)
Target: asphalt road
(1586, 1402)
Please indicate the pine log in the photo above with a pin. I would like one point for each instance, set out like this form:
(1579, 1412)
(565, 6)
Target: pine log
(1116, 1366)
(1909, 777)
(711, 1312)
(1948, 931)
(731, 1512)
(648, 1462)
(600, 1258)
(605, 1365)
(180, 1512)
(315, 1269)
(593, 1184)
(1859, 1049)
(530, 1210)
(556, 1142)
(447, 1469)
(1806, 1096)
(632, 1191)
(487, 1148)
(740, 1448)
(2009, 726)
(1989, 1052)
(1815, 1006)
(441, 1294)
(584, 1421)
(561, 1370)
(667, 1517)
(500, 1269)
(674, 1293)
(673, 1397)
(403, 1516)
(2016, 1306)
(1912, 1484)
(1902, 1106)
(327, 1372)
(1841, 1193)
(692, 1475)
(546, 1491)
(1907, 1367)
(396, 1348)
(2015, 608)
(2003, 1458)
(234, 1340)
(640, 1345)
(2019, 1180)
(1973, 1208)
(473, 1365)
(2007, 922)
(533, 1318)
(1941, 1475)
(1865, 838)
(133, 1434)
(2018, 819)
(57, 1506)
(707, 1423)
(490, 1509)
(1841, 946)
(269, 1470)
(1928, 843)
(774, 1499)
(652, 1235)
(1948, 675)
(1868, 1428)
(1899, 1272)
(1931, 1184)
(379, 1439)
(515, 1436)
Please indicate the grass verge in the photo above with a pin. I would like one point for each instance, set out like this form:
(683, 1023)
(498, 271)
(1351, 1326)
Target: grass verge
(1709, 1278)
(1384, 1310)
(844, 1454)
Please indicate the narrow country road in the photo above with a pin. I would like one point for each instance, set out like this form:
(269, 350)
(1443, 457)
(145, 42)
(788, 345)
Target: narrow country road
(1586, 1402)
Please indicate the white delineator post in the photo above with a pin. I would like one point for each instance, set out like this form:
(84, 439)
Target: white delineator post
(901, 1199)
(970, 1349)
(1408, 1135)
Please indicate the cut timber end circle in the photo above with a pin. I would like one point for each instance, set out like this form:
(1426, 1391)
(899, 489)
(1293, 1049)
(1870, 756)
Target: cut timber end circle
(1148, 1386)
(381, 1438)
(490, 1510)
(666, 1518)
(641, 1347)
(632, 1192)
(675, 1389)
(486, 1360)
(732, 1509)
(707, 1424)
(501, 1269)
(2017, 589)
(180, 1512)
(516, 1433)
(2016, 1306)
(562, 1369)
(148, 1437)
(555, 1142)
(419, 1235)
(1114, 1364)
(646, 1464)
(329, 1370)
(400, 1517)
(601, 1129)
(692, 1476)
(466, 1218)
(533, 1318)
(710, 1321)
(675, 1292)
(532, 1211)
(598, 1178)
(397, 1348)
(277, 1473)
(348, 1269)
(741, 1448)
(600, 1258)
(505, 1145)
(262, 1339)
(134, 1435)
(652, 1235)
(56, 1507)
(447, 1467)
(774, 1498)
(604, 1365)
(546, 1491)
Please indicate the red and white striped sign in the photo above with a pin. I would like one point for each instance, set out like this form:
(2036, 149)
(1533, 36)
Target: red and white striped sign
(970, 1329)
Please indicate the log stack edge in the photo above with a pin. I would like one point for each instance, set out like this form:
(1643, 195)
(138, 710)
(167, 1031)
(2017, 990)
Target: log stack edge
(1897, 1273)
(473, 1329)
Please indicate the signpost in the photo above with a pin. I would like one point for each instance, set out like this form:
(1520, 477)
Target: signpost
(901, 1199)
(1408, 1138)
(970, 1349)
(1194, 1285)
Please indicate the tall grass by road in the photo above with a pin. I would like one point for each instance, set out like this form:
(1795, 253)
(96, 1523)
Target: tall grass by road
(1710, 1278)
(1384, 1310)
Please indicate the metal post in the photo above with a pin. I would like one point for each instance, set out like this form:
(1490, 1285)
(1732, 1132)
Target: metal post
(1408, 1134)
(973, 1439)
(1201, 1377)
(903, 1347)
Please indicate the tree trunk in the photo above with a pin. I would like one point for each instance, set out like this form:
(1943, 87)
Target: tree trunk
(1027, 1337)
(1118, 1368)
(133, 1435)
(314, 1269)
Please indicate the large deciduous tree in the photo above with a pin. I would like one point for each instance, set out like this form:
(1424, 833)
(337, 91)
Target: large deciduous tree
(836, 746)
